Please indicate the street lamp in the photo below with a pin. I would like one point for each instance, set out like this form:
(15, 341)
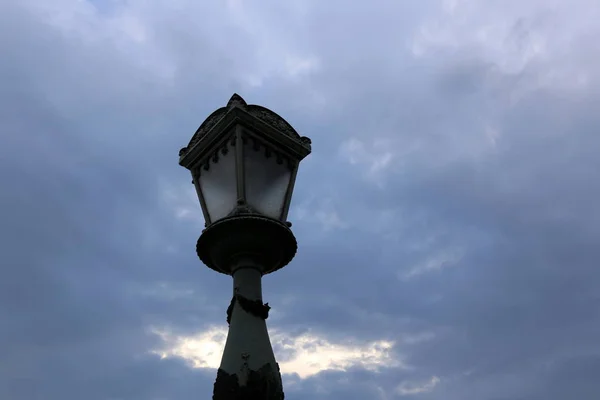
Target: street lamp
(244, 159)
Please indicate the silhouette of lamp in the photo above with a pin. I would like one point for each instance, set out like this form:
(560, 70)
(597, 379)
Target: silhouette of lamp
(244, 160)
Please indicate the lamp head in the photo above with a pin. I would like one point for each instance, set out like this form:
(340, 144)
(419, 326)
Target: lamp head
(244, 160)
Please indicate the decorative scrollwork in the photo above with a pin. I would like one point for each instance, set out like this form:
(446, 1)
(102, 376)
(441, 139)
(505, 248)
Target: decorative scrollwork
(272, 119)
(205, 127)
(254, 307)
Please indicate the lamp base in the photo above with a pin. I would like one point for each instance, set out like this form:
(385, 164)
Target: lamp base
(264, 384)
(268, 242)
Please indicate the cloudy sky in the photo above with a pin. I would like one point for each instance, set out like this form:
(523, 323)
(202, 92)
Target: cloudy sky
(448, 218)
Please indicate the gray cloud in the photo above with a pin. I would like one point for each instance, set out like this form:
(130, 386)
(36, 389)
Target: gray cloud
(478, 232)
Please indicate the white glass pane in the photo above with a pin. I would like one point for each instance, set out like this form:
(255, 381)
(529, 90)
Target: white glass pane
(219, 185)
(266, 181)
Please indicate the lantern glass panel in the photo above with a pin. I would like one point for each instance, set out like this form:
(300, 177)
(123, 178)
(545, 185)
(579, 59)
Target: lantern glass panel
(219, 184)
(267, 179)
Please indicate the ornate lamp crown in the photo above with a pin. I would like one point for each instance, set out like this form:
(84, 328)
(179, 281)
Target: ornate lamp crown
(263, 114)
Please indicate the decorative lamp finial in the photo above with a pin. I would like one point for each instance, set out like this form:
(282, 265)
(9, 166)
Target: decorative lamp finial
(236, 101)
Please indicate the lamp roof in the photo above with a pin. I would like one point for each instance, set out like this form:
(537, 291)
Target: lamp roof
(262, 113)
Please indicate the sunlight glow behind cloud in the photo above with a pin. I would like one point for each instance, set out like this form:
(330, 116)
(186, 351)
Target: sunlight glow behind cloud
(311, 353)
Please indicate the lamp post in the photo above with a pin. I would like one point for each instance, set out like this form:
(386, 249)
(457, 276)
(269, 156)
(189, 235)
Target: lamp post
(244, 159)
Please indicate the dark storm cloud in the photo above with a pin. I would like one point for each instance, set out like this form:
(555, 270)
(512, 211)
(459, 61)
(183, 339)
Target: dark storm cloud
(523, 295)
(89, 142)
(80, 200)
